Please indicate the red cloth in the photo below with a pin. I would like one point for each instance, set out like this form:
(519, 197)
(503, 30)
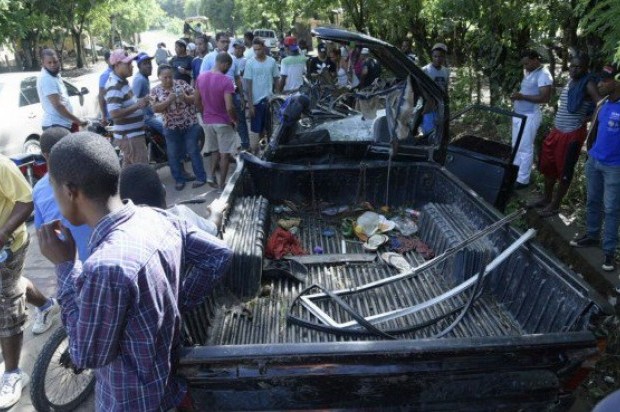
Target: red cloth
(289, 41)
(282, 242)
(557, 160)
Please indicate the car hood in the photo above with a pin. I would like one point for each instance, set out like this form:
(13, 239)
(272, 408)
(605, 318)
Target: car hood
(419, 89)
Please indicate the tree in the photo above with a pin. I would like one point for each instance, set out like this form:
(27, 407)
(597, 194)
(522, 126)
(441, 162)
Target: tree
(173, 8)
(602, 21)
(221, 13)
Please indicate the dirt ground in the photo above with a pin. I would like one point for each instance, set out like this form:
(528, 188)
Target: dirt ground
(605, 378)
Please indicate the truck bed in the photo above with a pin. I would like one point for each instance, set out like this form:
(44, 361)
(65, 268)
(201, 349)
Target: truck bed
(526, 294)
(264, 320)
(514, 348)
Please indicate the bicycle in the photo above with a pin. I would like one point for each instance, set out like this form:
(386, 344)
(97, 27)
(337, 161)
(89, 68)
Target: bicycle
(54, 366)
(57, 384)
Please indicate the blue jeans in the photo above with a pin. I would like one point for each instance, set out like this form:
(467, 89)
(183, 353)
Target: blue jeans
(242, 126)
(179, 142)
(154, 123)
(603, 188)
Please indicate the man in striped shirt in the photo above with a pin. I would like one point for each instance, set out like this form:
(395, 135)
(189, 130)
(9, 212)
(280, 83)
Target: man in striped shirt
(561, 148)
(126, 110)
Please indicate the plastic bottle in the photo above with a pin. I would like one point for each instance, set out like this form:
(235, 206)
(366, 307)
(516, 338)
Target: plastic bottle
(5, 254)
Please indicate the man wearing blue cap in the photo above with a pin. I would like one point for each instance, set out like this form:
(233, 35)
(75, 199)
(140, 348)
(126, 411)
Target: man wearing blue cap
(141, 87)
(603, 171)
(292, 70)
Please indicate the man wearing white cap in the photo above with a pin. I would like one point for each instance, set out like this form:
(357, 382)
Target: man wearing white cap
(535, 90)
(126, 110)
(436, 69)
(440, 74)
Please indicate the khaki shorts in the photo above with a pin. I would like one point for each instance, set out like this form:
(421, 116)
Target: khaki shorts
(13, 294)
(209, 146)
(222, 138)
(133, 149)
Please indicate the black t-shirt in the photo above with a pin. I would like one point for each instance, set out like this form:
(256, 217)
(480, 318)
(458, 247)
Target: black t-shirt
(374, 71)
(184, 62)
(316, 65)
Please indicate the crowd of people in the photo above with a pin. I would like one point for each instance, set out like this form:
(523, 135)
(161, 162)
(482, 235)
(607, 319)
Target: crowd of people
(122, 284)
(586, 98)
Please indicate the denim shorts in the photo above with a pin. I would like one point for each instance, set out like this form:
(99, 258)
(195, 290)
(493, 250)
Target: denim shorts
(258, 123)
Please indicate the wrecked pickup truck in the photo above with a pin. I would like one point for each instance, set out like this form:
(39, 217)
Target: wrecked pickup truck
(458, 311)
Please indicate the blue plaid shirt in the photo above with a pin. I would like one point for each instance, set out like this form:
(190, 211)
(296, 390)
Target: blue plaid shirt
(122, 307)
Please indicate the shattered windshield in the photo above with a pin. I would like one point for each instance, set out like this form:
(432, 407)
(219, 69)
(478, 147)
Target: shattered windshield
(365, 96)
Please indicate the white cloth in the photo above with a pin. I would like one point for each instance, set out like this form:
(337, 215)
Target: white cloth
(530, 85)
(294, 68)
(190, 216)
(249, 53)
(525, 153)
(48, 85)
(440, 76)
(342, 77)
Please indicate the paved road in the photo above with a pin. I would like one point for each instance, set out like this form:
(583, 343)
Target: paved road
(41, 272)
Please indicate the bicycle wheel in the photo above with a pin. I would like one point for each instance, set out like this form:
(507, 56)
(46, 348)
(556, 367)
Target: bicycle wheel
(57, 384)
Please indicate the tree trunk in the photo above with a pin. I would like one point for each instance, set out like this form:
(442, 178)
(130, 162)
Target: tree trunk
(551, 57)
(30, 47)
(93, 47)
(77, 43)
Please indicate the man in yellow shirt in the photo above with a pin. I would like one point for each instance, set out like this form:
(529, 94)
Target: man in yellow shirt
(15, 208)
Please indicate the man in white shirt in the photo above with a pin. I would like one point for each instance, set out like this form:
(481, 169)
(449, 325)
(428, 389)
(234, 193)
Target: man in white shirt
(57, 110)
(535, 90)
(292, 70)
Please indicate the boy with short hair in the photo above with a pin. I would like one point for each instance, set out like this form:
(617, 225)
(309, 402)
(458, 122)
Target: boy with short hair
(141, 184)
(45, 206)
(122, 308)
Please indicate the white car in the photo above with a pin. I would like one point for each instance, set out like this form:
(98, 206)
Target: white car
(22, 113)
(269, 36)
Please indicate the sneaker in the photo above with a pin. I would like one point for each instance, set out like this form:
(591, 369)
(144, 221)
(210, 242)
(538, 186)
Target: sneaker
(583, 241)
(11, 390)
(44, 319)
(212, 182)
(189, 177)
(610, 263)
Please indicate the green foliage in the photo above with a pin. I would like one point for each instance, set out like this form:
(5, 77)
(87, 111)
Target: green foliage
(172, 8)
(220, 14)
(173, 25)
(602, 20)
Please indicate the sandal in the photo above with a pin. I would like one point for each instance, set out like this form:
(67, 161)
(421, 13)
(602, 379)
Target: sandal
(374, 242)
(537, 204)
(396, 260)
(548, 213)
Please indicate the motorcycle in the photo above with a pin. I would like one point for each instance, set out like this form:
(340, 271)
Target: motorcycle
(155, 142)
(33, 166)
